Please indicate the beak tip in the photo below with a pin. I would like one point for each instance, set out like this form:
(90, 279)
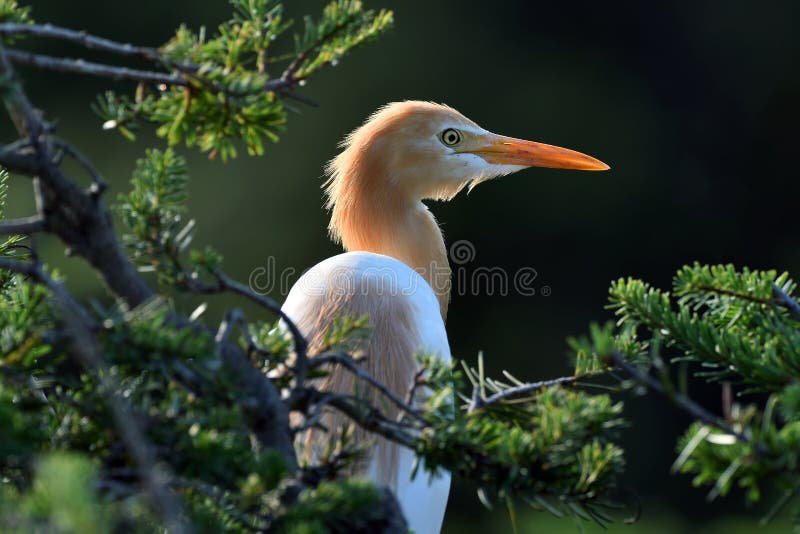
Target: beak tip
(597, 165)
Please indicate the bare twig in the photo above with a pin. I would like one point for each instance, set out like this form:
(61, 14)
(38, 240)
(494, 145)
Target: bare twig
(311, 420)
(93, 42)
(346, 361)
(99, 183)
(227, 284)
(727, 401)
(369, 418)
(81, 66)
(300, 367)
(686, 404)
(786, 301)
(82, 38)
(737, 294)
(530, 388)
(476, 400)
(233, 318)
(415, 384)
(290, 73)
(233, 286)
(27, 225)
(294, 96)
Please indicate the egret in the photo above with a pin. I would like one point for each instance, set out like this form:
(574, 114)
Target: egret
(395, 269)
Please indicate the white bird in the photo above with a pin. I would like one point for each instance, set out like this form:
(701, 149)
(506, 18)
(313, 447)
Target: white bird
(396, 269)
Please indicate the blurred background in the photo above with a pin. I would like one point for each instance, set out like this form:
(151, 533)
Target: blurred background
(694, 105)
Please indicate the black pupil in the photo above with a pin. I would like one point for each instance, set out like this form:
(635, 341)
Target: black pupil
(450, 137)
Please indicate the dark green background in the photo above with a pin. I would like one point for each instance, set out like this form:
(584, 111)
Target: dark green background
(693, 104)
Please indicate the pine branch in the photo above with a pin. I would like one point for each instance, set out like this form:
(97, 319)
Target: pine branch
(80, 327)
(83, 223)
(150, 54)
(290, 73)
(99, 185)
(416, 383)
(81, 66)
(780, 298)
(529, 388)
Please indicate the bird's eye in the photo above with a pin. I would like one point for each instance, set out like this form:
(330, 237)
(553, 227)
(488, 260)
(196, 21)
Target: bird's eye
(450, 137)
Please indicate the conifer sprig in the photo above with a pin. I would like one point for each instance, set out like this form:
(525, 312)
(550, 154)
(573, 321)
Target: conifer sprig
(737, 327)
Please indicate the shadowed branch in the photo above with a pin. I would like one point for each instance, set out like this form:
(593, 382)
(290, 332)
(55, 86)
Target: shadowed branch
(27, 225)
(686, 404)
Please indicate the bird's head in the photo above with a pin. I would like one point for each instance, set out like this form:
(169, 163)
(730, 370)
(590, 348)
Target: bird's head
(420, 150)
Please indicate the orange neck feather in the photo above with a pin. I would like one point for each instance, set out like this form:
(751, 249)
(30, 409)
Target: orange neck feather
(370, 213)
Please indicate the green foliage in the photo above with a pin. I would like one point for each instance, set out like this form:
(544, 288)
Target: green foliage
(591, 351)
(23, 429)
(174, 380)
(153, 208)
(736, 327)
(11, 12)
(10, 246)
(229, 93)
(343, 26)
(724, 319)
(61, 499)
(24, 314)
(721, 462)
(24, 307)
(552, 448)
(332, 506)
(154, 211)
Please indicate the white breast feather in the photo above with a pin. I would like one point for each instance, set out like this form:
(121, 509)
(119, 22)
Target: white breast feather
(424, 499)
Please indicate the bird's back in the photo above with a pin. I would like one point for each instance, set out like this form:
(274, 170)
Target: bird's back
(404, 320)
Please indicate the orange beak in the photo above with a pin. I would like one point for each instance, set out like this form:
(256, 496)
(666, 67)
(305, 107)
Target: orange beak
(502, 150)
